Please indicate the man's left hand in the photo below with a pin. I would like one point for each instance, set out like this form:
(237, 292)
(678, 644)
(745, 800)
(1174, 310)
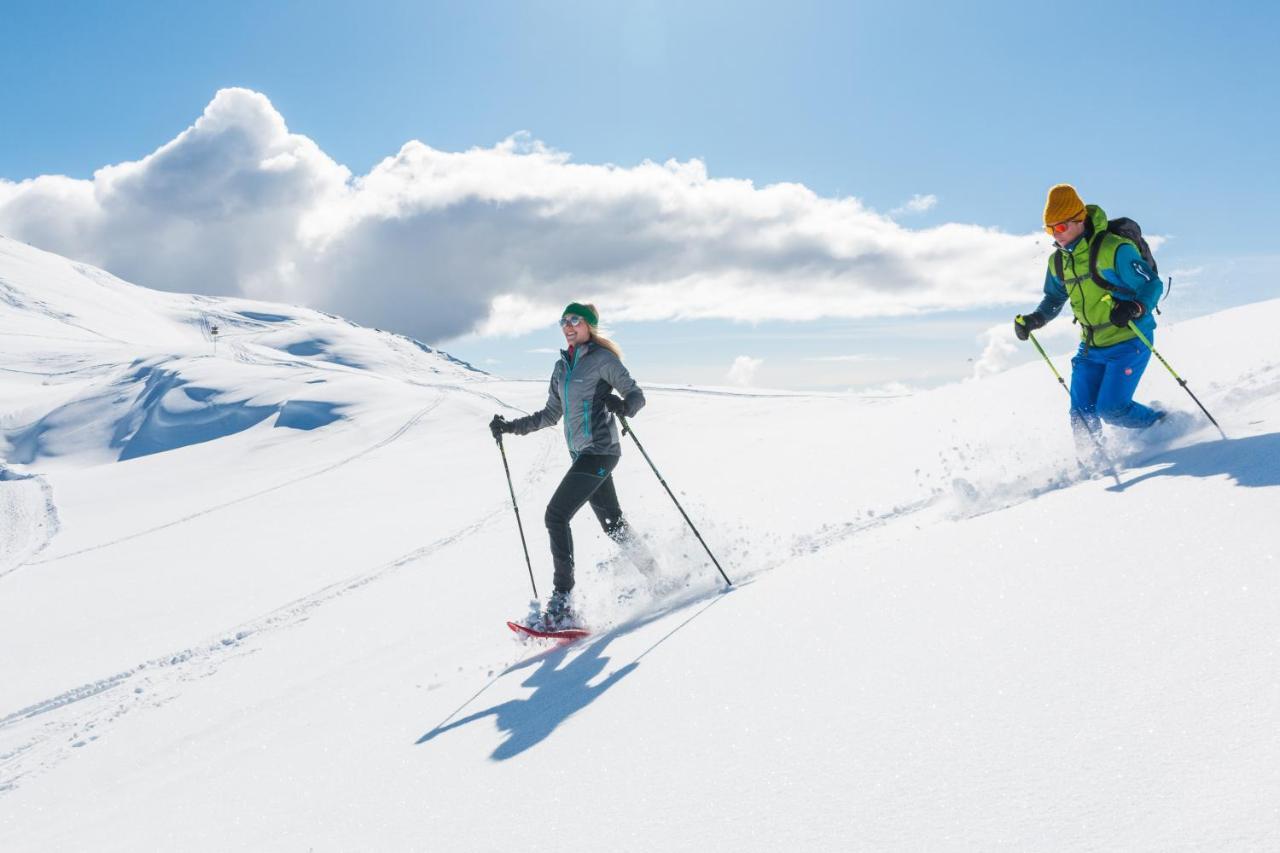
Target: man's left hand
(1123, 312)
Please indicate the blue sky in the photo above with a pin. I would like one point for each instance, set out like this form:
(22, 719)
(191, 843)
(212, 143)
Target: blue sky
(1163, 111)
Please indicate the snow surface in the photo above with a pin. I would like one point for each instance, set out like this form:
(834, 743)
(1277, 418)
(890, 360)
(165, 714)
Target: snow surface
(255, 600)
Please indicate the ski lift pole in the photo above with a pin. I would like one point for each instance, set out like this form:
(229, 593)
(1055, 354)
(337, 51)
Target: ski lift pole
(1097, 441)
(627, 430)
(1175, 375)
(516, 507)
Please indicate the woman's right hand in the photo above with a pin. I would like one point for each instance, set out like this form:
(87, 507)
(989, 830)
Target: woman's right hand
(498, 426)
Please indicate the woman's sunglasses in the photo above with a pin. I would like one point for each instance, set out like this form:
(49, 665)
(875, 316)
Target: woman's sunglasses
(570, 320)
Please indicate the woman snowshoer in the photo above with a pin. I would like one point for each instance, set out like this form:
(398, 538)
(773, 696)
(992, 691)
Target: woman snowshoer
(582, 392)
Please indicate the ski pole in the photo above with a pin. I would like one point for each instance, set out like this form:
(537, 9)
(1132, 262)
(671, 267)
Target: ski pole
(1181, 381)
(626, 429)
(1046, 358)
(1097, 441)
(516, 507)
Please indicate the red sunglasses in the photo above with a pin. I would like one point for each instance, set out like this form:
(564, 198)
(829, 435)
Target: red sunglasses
(1060, 227)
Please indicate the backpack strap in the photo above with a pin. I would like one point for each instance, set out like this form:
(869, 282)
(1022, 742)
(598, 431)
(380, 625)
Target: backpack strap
(1095, 248)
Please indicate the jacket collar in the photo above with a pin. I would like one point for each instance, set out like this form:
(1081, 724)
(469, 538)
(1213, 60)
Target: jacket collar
(568, 354)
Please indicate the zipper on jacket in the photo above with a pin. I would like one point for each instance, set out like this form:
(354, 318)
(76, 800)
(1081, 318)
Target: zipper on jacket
(568, 420)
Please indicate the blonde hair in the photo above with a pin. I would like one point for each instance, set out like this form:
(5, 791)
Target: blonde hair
(599, 339)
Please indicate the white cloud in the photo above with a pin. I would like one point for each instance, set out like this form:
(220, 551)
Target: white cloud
(858, 358)
(493, 241)
(743, 371)
(916, 204)
(1002, 350)
(217, 210)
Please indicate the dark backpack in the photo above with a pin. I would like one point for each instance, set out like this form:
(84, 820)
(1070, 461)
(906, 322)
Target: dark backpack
(1122, 227)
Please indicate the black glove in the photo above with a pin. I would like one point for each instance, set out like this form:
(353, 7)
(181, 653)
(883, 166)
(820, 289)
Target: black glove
(498, 426)
(615, 404)
(1124, 311)
(1025, 324)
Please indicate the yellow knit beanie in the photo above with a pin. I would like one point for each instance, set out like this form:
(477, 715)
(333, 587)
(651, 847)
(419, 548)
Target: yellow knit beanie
(1063, 204)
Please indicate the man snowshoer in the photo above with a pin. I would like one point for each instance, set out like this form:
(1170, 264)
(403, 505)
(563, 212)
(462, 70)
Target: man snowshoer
(1111, 358)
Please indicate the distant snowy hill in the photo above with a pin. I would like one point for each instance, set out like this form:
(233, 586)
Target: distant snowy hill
(132, 371)
(254, 599)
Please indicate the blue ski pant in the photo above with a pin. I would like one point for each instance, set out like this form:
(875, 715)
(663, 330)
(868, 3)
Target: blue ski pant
(1103, 380)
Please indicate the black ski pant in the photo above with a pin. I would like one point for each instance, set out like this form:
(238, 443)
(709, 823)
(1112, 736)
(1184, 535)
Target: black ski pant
(589, 479)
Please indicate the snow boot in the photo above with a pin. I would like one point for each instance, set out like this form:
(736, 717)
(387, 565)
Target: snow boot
(558, 614)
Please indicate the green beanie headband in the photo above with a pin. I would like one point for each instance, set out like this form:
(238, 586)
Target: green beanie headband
(582, 311)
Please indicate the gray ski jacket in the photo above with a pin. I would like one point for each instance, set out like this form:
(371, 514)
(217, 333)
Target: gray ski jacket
(578, 389)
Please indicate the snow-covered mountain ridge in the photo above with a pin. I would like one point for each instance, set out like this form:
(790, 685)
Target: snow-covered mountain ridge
(139, 365)
(254, 600)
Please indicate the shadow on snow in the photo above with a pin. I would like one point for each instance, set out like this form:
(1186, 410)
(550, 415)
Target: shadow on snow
(561, 686)
(559, 693)
(1253, 462)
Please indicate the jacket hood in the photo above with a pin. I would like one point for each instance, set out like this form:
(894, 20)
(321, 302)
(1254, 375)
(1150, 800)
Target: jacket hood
(1096, 223)
(1097, 218)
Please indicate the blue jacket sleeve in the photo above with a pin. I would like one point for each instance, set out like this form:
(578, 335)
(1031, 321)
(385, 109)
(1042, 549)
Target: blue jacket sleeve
(1055, 296)
(1137, 282)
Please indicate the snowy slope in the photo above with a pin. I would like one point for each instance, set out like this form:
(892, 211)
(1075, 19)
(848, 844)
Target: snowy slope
(255, 601)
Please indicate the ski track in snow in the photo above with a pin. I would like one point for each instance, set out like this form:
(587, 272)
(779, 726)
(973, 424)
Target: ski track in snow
(15, 298)
(399, 433)
(95, 368)
(158, 680)
(84, 713)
